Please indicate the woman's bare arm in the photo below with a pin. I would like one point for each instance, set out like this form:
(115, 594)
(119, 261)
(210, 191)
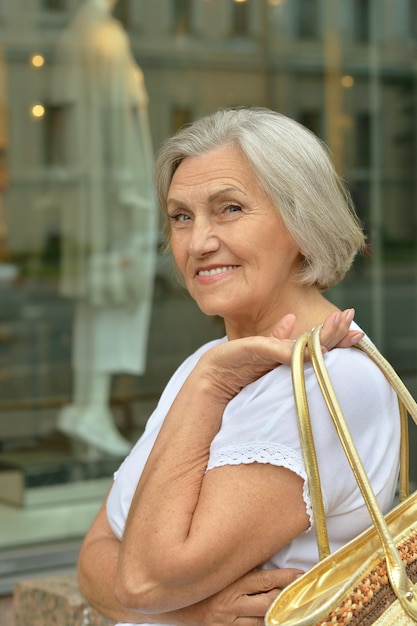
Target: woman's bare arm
(248, 597)
(100, 553)
(186, 528)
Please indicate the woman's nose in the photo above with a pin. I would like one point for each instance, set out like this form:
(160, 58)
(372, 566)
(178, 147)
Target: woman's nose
(203, 238)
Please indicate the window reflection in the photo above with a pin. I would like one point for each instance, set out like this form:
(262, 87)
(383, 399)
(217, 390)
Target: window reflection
(180, 117)
(121, 12)
(308, 19)
(319, 66)
(55, 134)
(54, 5)
(312, 119)
(182, 17)
(240, 18)
(363, 139)
(362, 11)
(412, 18)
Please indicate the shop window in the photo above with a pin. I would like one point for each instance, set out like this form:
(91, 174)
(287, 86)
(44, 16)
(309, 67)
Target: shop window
(363, 140)
(36, 321)
(362, 16)
(311, 119)
(182, 17)
(180, 117)
(121, 12)
(307, 26)
(55, 135)
(413, 18)
(240, 18)
(54, 5)
(4, 179)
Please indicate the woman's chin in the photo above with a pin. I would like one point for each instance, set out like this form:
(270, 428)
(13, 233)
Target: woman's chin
(208, 308)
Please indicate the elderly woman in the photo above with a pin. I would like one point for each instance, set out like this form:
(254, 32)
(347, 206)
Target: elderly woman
(259, 226)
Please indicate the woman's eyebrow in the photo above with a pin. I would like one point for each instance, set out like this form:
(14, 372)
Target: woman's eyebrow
(224, 191)
(211, 198)
(174, 202)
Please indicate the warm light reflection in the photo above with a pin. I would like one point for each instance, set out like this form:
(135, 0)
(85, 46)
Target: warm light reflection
(37, 111)
(347, 81)
(240, 0)
(37, 60)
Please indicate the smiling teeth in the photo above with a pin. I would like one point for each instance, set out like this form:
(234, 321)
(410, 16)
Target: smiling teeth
(217, 270)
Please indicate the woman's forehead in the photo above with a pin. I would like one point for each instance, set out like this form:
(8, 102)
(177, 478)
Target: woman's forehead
(225, 164)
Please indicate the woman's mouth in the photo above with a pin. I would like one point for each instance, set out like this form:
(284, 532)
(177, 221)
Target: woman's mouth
(216, 270)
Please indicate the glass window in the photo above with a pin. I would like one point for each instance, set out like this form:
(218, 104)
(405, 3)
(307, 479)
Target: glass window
(413, 18)
(55, 141)
(54, 5)
(180, 117)
(312, 119)
(71, 151)
(182, 17)
(362, 20)
(308, 19)
(121, 11)
(363, 140)
(240, 18)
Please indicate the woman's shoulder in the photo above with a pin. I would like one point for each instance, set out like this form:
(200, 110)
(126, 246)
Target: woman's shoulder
(184, 369)
(190, 361)
(354, 366)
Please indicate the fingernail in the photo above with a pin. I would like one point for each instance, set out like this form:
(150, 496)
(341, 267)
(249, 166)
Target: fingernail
(336, 319)
(349, 314)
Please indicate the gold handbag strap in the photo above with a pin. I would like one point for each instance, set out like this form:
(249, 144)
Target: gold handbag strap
(407, 406)
(307, 443)
(401, 585)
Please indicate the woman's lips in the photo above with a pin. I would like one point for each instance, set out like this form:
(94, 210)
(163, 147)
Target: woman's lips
(215, 270)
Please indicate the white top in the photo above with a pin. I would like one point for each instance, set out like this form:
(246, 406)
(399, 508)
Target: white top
(260, 425)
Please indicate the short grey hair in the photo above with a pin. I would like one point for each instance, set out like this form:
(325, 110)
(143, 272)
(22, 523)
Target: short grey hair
(294, 168)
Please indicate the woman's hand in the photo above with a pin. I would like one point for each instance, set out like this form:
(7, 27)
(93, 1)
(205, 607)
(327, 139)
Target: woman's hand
(244, 602)
(233, 365)
(334, 334)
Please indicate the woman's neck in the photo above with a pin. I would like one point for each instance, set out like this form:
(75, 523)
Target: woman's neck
(310, 308)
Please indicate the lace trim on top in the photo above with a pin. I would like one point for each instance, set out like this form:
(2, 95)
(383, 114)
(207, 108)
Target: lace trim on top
(264, 452)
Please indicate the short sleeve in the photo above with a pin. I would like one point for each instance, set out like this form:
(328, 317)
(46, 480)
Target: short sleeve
(260, 425)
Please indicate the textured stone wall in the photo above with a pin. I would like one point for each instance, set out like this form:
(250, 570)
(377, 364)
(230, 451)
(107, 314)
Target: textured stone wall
(54, 601)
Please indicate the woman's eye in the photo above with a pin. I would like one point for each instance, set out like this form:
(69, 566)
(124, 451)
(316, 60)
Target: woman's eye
(233, 208)
(179, 217)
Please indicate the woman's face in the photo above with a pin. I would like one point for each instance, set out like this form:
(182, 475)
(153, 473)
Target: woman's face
(229, 242)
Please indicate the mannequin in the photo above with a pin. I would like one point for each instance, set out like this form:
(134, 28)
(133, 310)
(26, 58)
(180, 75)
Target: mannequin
(108, 217)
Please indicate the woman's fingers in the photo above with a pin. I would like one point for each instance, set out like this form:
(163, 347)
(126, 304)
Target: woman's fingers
(245, 601)
(350, 339)
(284, 328)
(336, 333)
(259, 589)
(264, 580)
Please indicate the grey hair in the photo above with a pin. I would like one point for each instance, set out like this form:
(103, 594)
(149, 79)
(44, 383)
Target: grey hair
(294, 168)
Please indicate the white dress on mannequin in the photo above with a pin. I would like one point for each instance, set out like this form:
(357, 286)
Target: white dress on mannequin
(108, 216)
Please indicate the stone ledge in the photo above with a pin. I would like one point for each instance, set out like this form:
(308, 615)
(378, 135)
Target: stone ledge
(6, 611)
(54, 601)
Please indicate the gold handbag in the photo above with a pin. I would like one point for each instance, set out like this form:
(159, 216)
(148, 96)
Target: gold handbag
(372, 579)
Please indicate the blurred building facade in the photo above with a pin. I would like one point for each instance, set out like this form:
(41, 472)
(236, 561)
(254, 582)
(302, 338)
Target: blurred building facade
(345, 68)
